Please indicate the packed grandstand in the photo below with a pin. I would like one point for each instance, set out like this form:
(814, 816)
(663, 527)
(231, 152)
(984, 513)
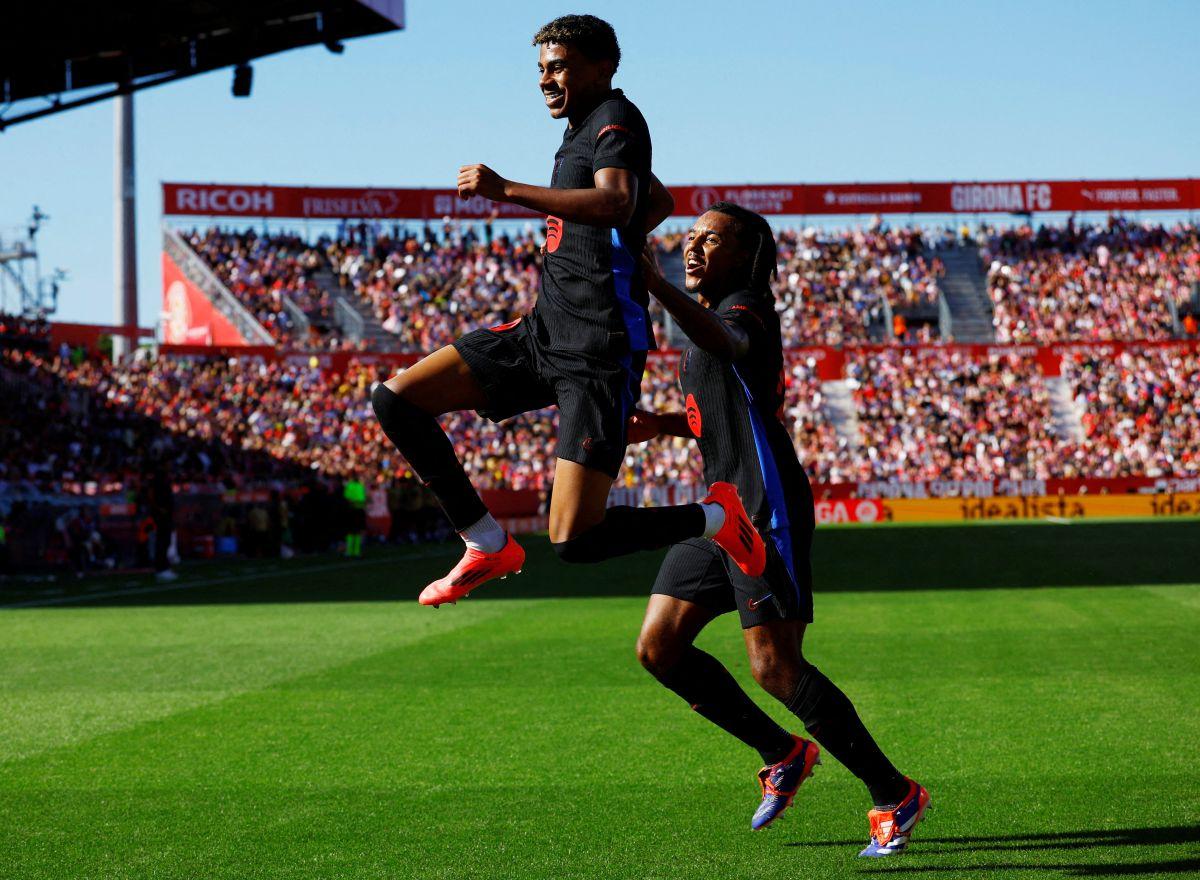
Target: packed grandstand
(1090, 372)
(1115, 280)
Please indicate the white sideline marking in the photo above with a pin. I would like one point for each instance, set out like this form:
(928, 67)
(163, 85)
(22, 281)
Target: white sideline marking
(1058, 520)
(207, 582)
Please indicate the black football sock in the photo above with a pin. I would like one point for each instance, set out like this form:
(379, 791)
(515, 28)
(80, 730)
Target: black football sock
(422, 441)
(831, 719)
(710, 690)
(627, 530)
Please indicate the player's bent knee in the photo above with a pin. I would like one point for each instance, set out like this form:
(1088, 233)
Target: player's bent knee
(777, 674)
(657, 653)
(579, 550)
(392, 410)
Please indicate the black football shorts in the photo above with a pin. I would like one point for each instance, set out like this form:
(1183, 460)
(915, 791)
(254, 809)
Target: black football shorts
(698, 571)
(595, 393)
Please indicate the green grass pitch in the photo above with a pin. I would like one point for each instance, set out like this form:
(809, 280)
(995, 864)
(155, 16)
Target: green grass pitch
(309, 720)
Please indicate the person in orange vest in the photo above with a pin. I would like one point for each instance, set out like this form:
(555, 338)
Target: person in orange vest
(899, 326)
(1190, 325)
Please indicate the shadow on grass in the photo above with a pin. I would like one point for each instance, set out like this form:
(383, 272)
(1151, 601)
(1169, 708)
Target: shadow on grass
(1094, 841)
(844, 559)
(1187, 867)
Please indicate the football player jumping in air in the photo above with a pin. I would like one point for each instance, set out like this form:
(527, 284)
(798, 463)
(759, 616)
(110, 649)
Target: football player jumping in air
(582, 347)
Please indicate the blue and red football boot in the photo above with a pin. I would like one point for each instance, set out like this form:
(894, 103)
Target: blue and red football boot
(474, 569)
(781, 781)
(891, 829)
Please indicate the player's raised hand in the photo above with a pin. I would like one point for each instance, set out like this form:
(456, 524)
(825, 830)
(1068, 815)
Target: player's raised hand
(642, 426)
(479, 180)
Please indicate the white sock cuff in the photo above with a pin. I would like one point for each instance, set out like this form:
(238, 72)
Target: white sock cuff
(714, 518)
(486, 536)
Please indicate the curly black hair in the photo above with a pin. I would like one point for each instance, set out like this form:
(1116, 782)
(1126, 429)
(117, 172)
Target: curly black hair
(592, 36)
(758, 239)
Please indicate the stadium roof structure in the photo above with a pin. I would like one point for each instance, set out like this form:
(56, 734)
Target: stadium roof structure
(57, 51)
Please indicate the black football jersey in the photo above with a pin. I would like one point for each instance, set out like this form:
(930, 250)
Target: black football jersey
(592, 298)
(736, 413)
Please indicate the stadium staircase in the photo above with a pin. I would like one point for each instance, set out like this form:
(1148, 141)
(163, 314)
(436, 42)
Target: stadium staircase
(1068, 415)
(840, 410)
(965, 290)
(353, 316)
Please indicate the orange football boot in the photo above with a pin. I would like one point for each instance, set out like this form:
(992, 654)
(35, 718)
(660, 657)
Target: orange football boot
(737, 536)
(474, 569)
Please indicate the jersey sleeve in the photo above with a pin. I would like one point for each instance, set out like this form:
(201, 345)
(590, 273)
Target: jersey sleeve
(745, 316)
(621, 140)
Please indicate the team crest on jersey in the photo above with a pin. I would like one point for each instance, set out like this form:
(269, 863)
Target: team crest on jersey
(554, 229)
(693, 415)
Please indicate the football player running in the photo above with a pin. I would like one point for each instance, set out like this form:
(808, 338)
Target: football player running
(732, 381)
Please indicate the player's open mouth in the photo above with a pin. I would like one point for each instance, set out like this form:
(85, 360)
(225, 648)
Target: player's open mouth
(554, 100)
(693, 266)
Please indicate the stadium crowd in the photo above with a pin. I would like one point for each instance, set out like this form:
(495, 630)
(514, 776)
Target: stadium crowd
(921, 414)
(17, 330)
(76, 423)
(1120, 280)
(935, 414)
(82, 427)
(244, 420)
(260, 270)
(429, 291)
(832, 286)
(1140, 412)
(427, 286)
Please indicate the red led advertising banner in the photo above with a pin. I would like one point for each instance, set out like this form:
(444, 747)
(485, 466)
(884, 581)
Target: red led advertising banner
(967, 197)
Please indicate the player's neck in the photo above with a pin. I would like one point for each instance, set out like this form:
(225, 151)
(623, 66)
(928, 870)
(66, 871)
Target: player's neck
(590, 103)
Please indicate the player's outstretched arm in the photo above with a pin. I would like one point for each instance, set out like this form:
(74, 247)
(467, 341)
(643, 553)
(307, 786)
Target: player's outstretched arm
(610, 203)
(703, 326)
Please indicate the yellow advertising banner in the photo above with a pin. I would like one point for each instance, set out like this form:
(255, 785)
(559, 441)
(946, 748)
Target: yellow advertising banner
(1054, 508)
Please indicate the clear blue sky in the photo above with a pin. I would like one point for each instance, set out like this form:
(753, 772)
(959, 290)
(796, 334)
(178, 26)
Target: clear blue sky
(733, 91)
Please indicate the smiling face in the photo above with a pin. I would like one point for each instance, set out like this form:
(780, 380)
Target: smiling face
(571, 83)
(713, 257)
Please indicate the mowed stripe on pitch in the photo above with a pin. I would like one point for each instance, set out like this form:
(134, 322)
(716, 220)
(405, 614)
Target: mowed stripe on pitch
(70, 675)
